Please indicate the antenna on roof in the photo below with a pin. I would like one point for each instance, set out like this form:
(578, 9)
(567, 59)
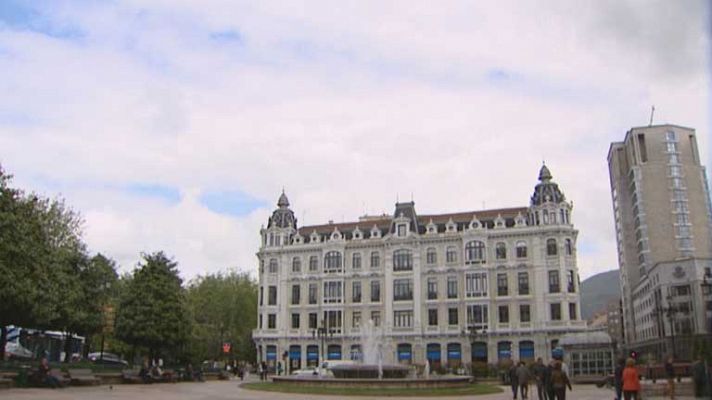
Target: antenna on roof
(652, 112)
(411, 196)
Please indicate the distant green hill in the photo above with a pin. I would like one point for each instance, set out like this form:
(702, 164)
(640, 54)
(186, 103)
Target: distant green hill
(597, 291)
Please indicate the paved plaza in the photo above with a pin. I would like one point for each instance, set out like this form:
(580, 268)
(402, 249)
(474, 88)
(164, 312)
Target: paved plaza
(231, 390)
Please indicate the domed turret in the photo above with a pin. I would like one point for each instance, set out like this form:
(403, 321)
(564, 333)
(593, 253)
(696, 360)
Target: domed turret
(548, 204)
(283, 201)
(283, 216)
(546, 191)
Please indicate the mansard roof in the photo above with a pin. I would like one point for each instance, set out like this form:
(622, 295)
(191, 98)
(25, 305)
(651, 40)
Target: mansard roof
(384, 223)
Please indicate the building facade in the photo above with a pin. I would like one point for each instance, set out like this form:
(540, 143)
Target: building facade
(479, 286)
(663, 221)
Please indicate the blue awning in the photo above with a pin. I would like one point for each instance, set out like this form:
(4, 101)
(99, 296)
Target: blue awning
(271, 353)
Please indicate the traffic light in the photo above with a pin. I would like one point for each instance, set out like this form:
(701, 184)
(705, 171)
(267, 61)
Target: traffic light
(634, 355)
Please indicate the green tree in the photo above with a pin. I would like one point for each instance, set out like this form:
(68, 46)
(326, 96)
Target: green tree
(39, 240)
(152, 310)
(90, 284)
(224, 308)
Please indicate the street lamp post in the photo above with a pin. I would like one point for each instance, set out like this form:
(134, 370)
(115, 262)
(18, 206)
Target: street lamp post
(321, 333)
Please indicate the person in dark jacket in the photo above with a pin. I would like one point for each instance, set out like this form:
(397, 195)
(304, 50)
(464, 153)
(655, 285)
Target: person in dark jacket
(699, 377)
(539, 371)
(559, 382)
(548, 386)
(618, 378)
(513, 380)
(670, 375)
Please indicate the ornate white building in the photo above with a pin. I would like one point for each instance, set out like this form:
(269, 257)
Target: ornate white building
(451, 288)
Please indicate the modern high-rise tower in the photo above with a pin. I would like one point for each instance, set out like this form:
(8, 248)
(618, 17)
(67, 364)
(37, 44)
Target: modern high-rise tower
(663, 221)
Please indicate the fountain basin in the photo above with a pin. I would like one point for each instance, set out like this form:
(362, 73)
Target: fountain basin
(448, 381)
(366, 371)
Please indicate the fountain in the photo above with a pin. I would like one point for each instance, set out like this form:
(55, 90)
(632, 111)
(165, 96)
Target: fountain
(371, 359)
(369, 369)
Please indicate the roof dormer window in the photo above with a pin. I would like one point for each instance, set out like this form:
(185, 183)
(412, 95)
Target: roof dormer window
(402, 230)
(451, 226)
(375, 232)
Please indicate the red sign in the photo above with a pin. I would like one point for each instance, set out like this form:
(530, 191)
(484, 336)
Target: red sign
(226, 347)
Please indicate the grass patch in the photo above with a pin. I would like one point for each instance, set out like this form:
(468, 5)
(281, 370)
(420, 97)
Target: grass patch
(473, 389)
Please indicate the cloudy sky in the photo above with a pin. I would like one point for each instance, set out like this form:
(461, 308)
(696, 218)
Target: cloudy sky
(174, 125)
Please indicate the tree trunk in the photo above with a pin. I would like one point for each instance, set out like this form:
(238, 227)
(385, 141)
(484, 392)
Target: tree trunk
(3, 341)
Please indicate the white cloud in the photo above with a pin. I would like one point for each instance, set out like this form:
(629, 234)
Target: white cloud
(347, 106)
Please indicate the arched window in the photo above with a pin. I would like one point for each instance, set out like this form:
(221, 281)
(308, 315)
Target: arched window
(405, 353)
(454, 354)
(296, 264)
(504, 350)
(433, 355)
(526, 350)
(356, 261)
(375, 259)
(431, 256)
(568, 246)
(475, 252)
(551, 247)
(312, 355)
(451, 254)
(333, 352)
(521, 249)
(332, 262)
(501, 251)
(402, 260)
(479, 352)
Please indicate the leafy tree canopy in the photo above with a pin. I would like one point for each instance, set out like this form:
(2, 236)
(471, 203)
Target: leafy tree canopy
(224, 306)
(152, 310)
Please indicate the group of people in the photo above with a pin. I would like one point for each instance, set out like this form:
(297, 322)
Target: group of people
(551, 380)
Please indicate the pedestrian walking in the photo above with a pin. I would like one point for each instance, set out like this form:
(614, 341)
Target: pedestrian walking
(670, 375)
(539, 370)
(559, 382)
(523, 377)
(548, 385)
(631, 381)
(514, 380)
(618, 378)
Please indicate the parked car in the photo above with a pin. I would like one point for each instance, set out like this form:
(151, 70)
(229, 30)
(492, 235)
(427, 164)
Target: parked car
(108, 359)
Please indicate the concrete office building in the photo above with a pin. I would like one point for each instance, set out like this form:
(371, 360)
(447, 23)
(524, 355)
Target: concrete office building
(663, 222)
(453, 288)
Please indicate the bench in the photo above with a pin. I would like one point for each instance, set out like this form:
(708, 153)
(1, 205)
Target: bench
(5, 383)
(83, 376)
